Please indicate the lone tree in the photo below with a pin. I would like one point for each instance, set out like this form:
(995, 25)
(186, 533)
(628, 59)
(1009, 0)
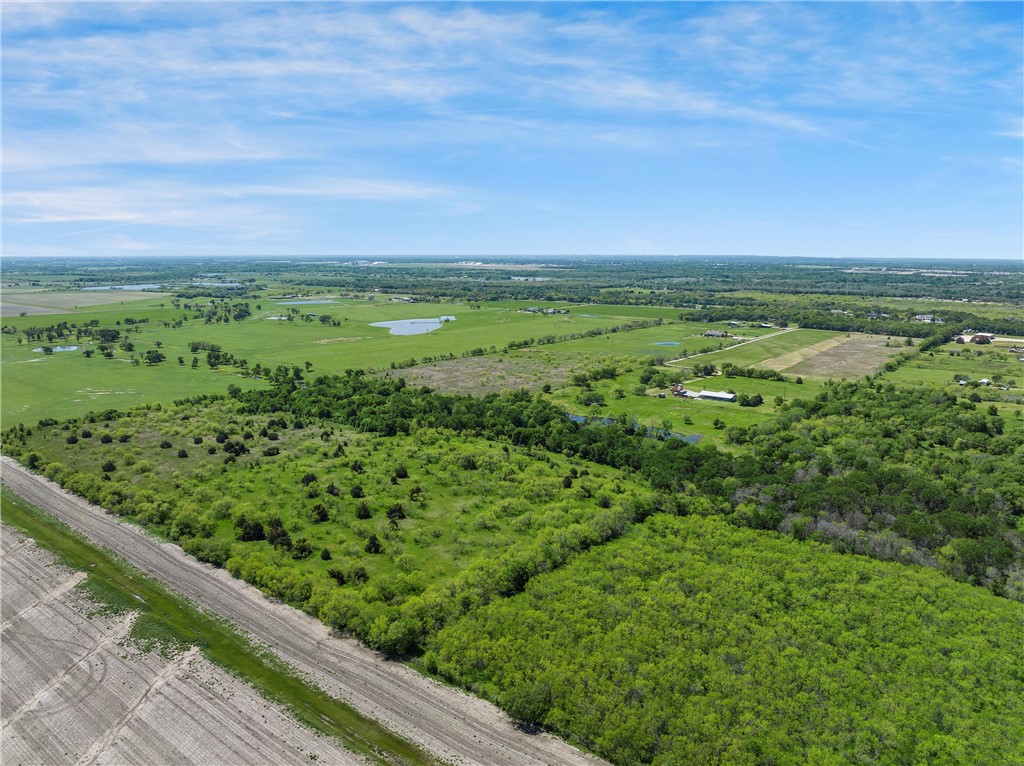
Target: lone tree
(373, 545)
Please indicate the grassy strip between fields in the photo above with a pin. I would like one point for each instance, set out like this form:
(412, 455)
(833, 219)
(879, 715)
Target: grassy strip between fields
(167, 619)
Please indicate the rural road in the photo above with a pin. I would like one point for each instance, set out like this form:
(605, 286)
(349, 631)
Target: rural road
(450, 724)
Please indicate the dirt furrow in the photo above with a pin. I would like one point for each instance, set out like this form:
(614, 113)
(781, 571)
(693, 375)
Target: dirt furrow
(69, 584)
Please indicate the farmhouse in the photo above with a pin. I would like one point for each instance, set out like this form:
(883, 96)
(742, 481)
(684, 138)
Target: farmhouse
(716, 334)
(718, 396)
(982, 338)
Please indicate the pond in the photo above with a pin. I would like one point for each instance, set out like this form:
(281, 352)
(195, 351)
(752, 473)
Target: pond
(125, 287)
(666, 343)
(56, 349)
(413, 326)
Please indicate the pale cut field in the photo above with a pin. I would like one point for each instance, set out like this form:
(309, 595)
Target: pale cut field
(31, 302)
(844, 356)
(73, 690)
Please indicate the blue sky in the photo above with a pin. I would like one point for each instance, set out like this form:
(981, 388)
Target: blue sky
(816, 129)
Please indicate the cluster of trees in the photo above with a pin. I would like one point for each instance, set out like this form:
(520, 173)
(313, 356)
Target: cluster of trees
(730, 370)
(867, 485)
(347, 498)
(593, 332)
(691, 641)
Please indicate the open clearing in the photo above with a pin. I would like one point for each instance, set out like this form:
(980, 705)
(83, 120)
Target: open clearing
(793, 358)
(851, 356)
(52, 302)
(75, 692)
(454, 726)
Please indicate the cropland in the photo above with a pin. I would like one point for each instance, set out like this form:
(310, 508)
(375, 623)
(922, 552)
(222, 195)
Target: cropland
(659, 513)
(75, 690)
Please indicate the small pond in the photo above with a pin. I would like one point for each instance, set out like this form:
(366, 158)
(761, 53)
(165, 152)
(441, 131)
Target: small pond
(413, 326)
(124, 287)
(666, 343)
(56, 349)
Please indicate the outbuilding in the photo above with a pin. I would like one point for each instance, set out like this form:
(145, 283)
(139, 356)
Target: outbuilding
(718, 396)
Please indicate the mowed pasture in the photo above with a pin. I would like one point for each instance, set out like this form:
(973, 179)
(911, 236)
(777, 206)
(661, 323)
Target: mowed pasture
(15, 302)
(66, 384)
(75, 691)
(688, 336)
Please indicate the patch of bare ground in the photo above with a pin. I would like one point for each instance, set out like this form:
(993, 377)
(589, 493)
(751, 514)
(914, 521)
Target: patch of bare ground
(855, 357)
(75, 692)
(493, 373)
(452, 725)
(21, 309)
(62, 300)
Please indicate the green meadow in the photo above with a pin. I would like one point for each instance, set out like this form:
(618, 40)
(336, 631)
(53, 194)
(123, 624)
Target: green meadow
(66, 383)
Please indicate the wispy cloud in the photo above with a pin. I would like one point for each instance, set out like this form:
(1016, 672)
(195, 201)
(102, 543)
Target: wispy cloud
(164, 115)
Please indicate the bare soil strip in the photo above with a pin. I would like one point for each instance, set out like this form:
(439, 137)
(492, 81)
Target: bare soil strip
(448, 723)
(793, 358)
(122, 706)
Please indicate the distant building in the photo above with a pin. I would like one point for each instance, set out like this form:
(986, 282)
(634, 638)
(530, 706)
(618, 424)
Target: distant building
(716, 334)
(982, 338)
(718, 396)
(984, 382)
(924, 318)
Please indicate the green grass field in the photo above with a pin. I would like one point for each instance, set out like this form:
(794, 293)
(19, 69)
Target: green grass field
(776, 344)
(688, 336)
(66, 383)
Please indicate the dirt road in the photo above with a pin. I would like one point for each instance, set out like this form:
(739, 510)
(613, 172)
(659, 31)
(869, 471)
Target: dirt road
(454, 726)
